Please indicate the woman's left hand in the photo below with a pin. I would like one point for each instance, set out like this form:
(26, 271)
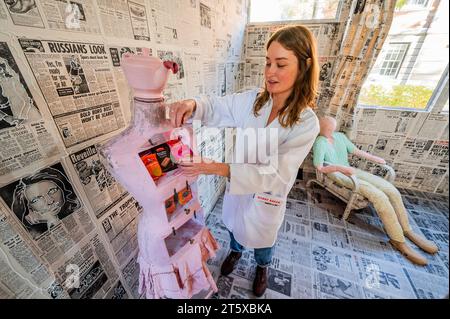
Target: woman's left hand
(197, 166)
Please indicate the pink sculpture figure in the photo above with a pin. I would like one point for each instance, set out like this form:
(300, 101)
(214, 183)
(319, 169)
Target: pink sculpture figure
(174, 243)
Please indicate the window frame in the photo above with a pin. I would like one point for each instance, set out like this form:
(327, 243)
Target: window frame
(436, 97)
(306, 21)
(408, 44)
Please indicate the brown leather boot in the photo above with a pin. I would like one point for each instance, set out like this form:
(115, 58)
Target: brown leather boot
(260, 282)
(409, 253)
(421, 242)
(229, 263)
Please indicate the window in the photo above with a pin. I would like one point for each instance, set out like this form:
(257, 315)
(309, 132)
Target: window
(282, 10)
(406, 5)
(393, 59)
(421, 3)
(408, 71)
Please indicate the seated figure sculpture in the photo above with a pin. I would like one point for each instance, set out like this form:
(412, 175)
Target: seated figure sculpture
(331, 151)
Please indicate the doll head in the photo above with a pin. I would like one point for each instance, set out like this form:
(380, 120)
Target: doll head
(327, 125)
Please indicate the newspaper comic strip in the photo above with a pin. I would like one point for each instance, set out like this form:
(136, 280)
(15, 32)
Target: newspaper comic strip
(71, 15)
(77, 83)
(24, 137)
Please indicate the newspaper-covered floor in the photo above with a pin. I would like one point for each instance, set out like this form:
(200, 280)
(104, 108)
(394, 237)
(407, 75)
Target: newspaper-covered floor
(319, 256)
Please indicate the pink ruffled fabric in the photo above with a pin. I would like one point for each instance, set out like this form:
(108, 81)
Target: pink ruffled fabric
(184, 277)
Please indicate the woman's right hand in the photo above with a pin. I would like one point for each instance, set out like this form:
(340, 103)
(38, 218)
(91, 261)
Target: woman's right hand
(180, 111)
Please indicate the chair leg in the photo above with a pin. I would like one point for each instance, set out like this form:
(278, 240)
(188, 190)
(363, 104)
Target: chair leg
(347, 212)
(348, 208)
(309, 190)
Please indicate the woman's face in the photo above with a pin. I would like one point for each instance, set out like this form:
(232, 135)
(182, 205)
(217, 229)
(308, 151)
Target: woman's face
(281, 69)
(44, 197)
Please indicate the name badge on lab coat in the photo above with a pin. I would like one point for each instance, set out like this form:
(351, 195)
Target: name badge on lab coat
(268, 200)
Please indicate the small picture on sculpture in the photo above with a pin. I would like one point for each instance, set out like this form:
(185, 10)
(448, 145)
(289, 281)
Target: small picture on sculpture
(161, 159)
(178, 199)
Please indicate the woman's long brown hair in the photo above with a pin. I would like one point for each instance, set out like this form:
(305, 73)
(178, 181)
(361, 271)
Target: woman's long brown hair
(301, 41)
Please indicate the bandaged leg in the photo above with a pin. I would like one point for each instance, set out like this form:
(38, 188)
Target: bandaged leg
(396, 201)
(380, 202)
(387, 215)
(395, 198)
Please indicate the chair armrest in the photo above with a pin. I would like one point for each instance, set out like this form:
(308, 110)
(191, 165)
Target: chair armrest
(390, 173)
(355, 187)
(355, 182)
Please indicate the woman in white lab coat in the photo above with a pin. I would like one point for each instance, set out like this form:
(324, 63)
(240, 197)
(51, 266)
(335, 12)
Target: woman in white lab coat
(256, 192)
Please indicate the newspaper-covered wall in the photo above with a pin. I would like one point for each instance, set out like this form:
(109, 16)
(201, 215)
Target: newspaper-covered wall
(25, 136)
(67, 228)
(257, 35)
(77, 82)
(415, 144)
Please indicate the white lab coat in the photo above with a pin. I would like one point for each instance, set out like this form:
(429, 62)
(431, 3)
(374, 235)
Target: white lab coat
(255, 223)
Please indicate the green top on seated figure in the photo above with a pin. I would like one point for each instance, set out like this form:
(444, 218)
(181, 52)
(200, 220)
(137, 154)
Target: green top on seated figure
(336, 153)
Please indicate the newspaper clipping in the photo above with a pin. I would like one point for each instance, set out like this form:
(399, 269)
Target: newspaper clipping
(90, 260)
(102, 190)
(438, 155)
(49, 210)
(127, 18)
(2, 13)
(24, 136)
(21, 269)
(175, 89)
(71, 15)
(415, 150)
(120, 226)
(77, 83)
(115, 18)
(25, 13)
(428, 178)
(139, 22)
(388, 146)
(404, 174)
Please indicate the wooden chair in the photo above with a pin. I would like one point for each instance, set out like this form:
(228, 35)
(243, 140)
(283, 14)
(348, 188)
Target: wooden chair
(351, 196)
